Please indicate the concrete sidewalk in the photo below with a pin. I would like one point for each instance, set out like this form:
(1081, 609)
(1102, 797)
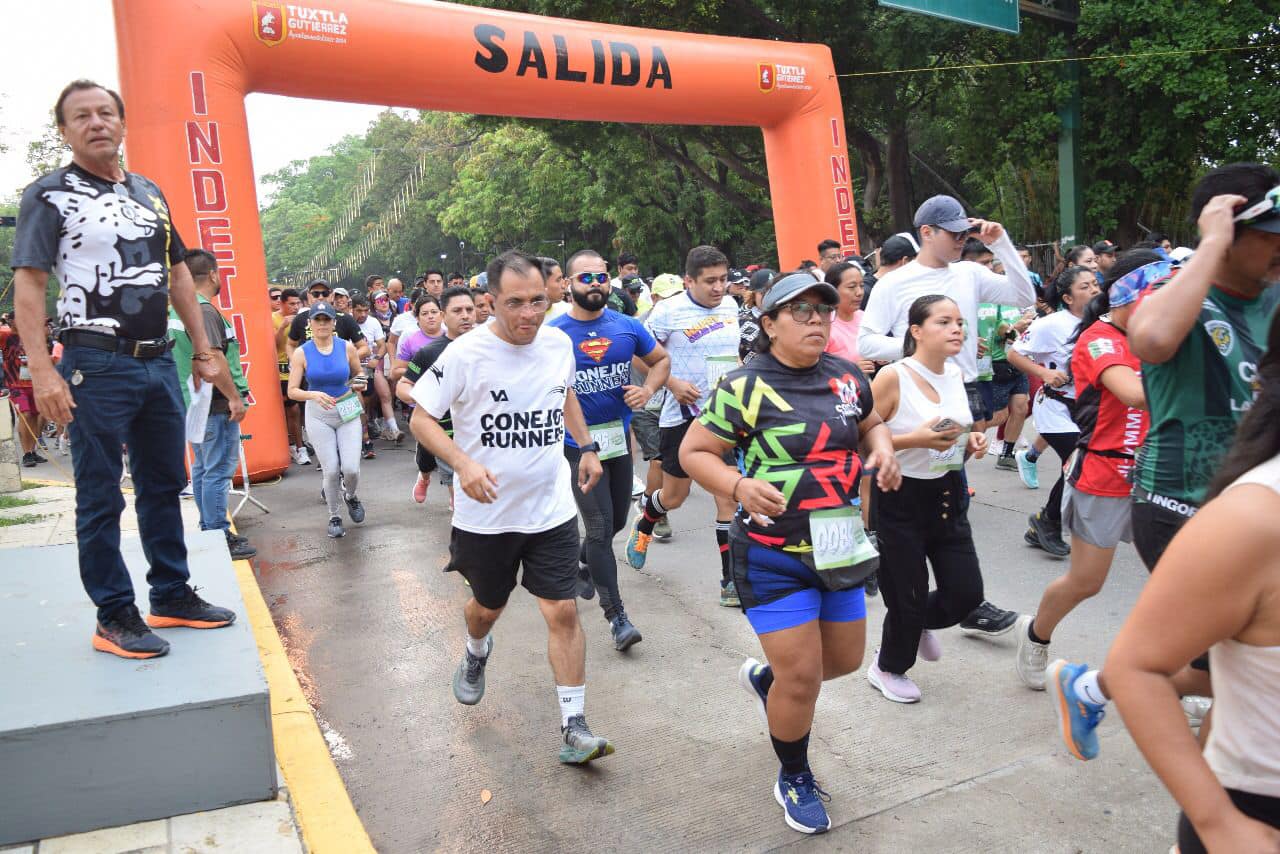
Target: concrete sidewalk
(268, 827)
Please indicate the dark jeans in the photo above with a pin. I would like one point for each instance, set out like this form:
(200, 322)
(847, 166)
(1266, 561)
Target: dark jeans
(924, 520)
(120, 401)
(604, 513)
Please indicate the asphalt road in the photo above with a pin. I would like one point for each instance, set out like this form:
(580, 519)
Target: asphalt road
(374, 631)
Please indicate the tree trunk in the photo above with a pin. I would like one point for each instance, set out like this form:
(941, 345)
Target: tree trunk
(868, 148)
(901, 204)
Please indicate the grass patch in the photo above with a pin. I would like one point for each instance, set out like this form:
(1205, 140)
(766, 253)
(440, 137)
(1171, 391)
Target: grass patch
(24, 519)
(8, 502)
(31, 484)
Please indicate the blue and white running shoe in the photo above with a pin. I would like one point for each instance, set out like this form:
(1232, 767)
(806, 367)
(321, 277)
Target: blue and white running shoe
(802, 802)
(1078, 719)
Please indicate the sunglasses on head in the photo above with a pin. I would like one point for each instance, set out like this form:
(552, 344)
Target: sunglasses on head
(1266, 208)
(590, 278)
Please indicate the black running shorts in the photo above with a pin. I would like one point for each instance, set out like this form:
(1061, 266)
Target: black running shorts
(490, 563)
(669, 439)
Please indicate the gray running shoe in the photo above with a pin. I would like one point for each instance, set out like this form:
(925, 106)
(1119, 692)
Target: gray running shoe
(1033, 658)
(354, 508)
(662, 530)
(1007, 463)
(580, 746)
(729, 595)
(625, 634)
(468, 679)
(335, 528)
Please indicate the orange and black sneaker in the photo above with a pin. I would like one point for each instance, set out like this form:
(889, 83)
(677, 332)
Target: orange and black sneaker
(189, 610)
(122, 632)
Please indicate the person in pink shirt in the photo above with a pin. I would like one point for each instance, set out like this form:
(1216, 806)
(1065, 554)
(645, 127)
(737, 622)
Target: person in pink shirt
(846, 278)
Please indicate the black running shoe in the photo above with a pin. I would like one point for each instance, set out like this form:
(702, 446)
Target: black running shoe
(189, 610)
(29, 459)
(369, 453)
(586, 585)
(625, 634)
(354, 509)
(1048, 535)
(988, 620)
(871, 586)
(123, 633)
(239, 547)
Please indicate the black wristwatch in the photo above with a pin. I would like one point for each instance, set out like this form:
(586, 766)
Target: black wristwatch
(594, 448)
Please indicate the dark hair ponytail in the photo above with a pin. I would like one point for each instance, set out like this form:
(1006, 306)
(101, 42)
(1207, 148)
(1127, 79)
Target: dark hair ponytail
(916, 316)
(1258, 437)
(1061, 285)
(1101, 304)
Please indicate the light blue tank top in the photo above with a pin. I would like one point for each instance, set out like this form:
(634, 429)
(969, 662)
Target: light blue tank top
(328, 374)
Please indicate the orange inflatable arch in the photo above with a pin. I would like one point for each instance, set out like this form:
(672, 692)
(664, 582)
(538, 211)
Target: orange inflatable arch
(187, 65)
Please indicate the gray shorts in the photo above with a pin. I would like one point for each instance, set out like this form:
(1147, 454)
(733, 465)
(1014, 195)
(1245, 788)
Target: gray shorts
(1100, 520)
(644, 425)
(446, 473)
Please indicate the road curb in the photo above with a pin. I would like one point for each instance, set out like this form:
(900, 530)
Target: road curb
(324, 811)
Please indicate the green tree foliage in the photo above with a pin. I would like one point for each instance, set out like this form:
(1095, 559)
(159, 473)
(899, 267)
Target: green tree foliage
(986, 134)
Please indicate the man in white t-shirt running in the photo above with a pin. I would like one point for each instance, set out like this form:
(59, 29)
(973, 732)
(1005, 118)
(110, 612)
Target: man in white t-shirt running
(699, 328)
(937, 269)
(509, 387)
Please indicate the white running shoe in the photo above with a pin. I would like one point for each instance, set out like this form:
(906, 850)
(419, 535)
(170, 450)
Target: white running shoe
(1033, 658)
(302, 458)
(637, 487)
(894, 686)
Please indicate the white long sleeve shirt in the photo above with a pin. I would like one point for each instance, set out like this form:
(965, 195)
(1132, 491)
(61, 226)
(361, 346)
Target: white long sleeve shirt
(965, 282)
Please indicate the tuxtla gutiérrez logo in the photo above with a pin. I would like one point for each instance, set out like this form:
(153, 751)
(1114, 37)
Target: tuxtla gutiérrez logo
(275, 21)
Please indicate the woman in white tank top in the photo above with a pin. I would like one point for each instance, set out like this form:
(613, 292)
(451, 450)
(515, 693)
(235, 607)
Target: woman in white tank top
(1217, 587)
(923, 402)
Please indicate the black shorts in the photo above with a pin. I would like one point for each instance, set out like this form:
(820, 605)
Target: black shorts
(1154, 527)
(669, 439)
(490, 563)
(1258, 807)
(284, 391)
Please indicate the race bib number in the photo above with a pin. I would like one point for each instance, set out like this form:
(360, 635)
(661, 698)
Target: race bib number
(952, 458)
(611, 437)
(717, 367)
(349, 407)
(838, 538)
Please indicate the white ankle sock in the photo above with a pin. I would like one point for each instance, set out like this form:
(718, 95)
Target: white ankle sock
(477, 646)
(1087, 688)
(573, 700)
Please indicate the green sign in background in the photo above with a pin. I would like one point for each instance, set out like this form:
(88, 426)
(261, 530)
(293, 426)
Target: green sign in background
(997, 14)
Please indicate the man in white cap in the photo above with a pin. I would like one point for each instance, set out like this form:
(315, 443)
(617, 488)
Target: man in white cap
(937, 269)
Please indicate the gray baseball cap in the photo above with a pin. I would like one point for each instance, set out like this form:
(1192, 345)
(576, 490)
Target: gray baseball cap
(792, 285)
(944, 212)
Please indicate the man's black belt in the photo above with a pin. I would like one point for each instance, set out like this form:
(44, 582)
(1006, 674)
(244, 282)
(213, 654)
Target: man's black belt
(146, 349)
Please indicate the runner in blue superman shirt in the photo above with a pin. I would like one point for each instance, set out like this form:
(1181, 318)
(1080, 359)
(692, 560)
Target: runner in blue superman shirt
(604, 343)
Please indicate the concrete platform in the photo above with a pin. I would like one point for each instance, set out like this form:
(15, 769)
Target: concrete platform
(88, 740)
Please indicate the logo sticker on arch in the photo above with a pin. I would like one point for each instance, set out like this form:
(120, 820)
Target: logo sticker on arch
(269, 23)
(767, 76)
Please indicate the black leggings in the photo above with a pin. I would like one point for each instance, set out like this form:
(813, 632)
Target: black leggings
(1259, 807)
(604, 513)
(426, 460)
(925, 520)
(1063, 444)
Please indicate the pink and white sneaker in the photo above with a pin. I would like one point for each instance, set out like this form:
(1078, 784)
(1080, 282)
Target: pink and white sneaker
(420, 488)
(893, 686)
(930, 648)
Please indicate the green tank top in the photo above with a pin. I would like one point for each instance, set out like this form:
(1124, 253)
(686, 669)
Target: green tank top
(1199, 396)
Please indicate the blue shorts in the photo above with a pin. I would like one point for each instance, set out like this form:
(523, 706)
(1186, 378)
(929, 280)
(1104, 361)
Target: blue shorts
(779, 591)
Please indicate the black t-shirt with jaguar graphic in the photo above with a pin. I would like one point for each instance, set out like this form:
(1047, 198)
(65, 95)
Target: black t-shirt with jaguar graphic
(110, 245)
